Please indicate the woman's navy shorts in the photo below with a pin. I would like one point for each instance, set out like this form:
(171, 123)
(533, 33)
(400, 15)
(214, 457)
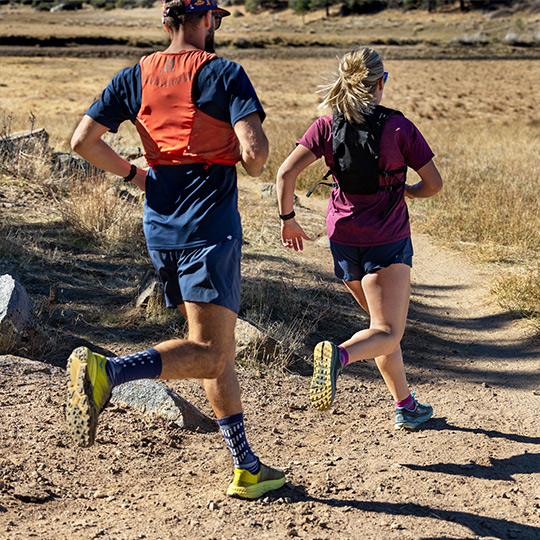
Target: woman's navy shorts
(208, 274)
(353, 263)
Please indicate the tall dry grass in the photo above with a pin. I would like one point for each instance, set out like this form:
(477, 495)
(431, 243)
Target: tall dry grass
(98, 211)
(490, 206)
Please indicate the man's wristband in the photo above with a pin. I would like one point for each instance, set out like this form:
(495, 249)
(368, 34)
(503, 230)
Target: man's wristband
(287, 216)
(131, 175)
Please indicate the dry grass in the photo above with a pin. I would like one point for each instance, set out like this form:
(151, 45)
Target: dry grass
(102, 214)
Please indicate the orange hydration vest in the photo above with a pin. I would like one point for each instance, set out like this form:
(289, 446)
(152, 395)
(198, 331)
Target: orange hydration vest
(172, 130)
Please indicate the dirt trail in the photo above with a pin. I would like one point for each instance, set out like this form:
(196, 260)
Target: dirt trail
(472, 472)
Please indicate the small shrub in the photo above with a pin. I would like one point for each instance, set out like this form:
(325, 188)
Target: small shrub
(96, 211)
(252, 5)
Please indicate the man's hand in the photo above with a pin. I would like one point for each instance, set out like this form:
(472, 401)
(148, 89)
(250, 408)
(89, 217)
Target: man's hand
(87, 142)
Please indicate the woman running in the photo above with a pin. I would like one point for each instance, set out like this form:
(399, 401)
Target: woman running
(367, 148)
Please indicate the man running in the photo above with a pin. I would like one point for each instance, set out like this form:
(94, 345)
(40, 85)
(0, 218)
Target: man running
(197, 116)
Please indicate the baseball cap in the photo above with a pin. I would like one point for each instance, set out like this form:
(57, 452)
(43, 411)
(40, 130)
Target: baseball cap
(192, 6)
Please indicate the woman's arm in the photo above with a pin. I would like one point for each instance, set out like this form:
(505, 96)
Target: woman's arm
(430, 183)
(292, 235)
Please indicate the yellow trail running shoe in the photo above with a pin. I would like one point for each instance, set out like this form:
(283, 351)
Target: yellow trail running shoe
(88, 391)
(326, 370)
(251, 486)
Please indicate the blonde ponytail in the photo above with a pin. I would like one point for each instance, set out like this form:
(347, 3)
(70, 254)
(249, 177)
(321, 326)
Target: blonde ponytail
(352, 91)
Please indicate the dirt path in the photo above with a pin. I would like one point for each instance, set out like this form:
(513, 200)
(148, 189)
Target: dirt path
(472, 472)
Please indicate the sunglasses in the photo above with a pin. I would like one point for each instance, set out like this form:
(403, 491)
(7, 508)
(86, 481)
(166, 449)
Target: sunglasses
(217, 20)
(384, 77)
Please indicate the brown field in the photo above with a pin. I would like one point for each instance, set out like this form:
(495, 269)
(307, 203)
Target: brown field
(473, 472)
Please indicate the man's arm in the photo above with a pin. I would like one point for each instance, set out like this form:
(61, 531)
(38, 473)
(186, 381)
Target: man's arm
(87, 142)
(254, 143)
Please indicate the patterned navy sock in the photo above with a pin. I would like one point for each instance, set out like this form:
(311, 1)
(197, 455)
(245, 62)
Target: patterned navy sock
(233, 430)
(131, 367)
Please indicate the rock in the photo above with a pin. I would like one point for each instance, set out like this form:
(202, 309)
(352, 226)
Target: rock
(125, 195)
(152, 397)
(151, 293)
(268, 192)
(27, 140)
(129, 152)
(70, 165)
(66, 6)
(19, 324)
(252, 343)
(32, 493)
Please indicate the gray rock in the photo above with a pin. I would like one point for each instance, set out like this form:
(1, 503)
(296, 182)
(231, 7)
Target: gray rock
(268, 192)
(252, 343)
(28, 141)
(152, 397)
(66, 6)
(19, 324)
(70, 165)
(152, 292)
(129, 152)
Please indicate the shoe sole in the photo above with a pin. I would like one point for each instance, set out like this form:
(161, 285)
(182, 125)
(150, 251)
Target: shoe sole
(412, 426)
(255, 491)
(323, 383)
(80, 415)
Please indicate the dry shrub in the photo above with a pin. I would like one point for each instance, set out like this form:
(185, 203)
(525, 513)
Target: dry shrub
(27, 159)
(519, 291)
(490, 196)
(96, 210)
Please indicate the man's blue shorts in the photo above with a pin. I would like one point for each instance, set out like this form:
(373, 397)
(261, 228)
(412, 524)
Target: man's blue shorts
(205, 274)
(353, 263)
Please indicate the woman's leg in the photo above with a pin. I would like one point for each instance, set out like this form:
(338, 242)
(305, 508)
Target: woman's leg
(385, 296)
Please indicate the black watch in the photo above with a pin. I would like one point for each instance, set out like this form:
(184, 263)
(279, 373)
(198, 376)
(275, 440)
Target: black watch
(131, 175)
(287, 216)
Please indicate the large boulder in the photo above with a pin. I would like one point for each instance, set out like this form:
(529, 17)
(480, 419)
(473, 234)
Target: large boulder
(151, 397)
(254, 344)
(19, 325)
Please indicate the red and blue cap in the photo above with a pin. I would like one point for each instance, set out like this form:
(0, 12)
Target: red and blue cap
(192, 6)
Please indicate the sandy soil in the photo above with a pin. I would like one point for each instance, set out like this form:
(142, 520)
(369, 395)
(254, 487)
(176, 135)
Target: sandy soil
(472, 472)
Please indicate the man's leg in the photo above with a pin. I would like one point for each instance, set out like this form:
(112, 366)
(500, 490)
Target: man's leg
(204, 355)
(208, 354)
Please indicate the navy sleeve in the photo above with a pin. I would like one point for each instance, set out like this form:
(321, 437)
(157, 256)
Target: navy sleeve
(223, 90)
(120, 101)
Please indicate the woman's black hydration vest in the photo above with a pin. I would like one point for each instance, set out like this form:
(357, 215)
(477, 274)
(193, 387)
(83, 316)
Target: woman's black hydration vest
(357, 148)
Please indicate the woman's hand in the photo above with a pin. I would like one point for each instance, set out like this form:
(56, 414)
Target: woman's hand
(292, 235)
(430, 183)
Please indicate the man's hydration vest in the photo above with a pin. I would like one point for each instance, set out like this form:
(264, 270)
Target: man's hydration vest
(173, 131)
(356, 149)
